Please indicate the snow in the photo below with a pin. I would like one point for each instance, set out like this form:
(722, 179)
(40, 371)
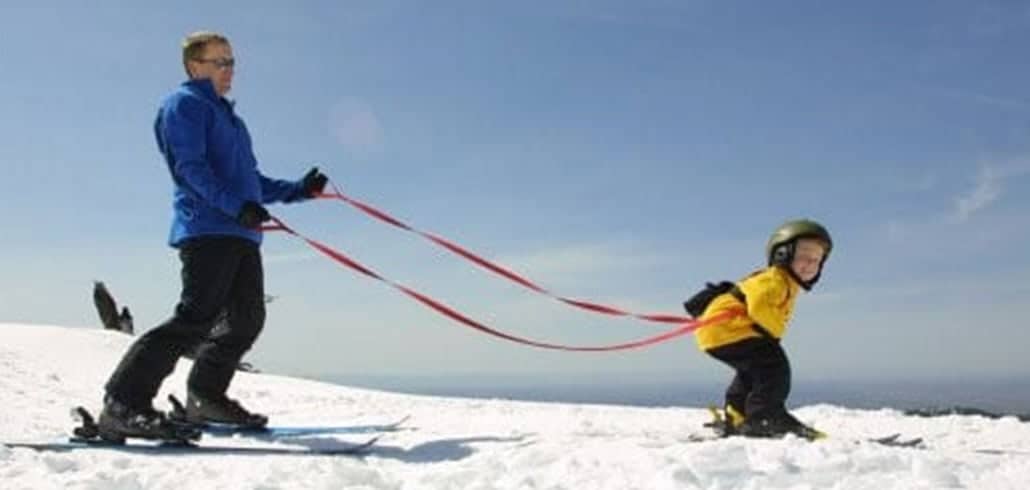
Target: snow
(456, 443)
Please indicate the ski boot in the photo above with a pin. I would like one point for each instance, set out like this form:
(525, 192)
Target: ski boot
(779, 426)
(119, 421)
(725, 422)
(223, 410)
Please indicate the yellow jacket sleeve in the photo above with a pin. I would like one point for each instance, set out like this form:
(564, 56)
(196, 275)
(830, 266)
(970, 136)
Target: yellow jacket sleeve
(770, 299)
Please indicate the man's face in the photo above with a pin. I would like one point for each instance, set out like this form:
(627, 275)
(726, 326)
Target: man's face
(217, 64)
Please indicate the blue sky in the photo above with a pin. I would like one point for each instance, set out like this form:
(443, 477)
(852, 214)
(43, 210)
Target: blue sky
(622, 152)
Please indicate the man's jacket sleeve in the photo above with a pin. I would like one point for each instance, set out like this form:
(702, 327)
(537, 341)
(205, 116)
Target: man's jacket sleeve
(277, 190)
(184, 124)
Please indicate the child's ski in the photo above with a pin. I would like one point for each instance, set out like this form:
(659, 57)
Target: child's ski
(719, 427)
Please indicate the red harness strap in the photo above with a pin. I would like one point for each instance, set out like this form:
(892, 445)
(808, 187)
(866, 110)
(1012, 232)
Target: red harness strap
(497, 269)
(686, 327)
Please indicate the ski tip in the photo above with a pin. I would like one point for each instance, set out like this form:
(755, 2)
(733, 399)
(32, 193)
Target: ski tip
(83, 416)
(355, 449)
(886, 439)
(896, 440)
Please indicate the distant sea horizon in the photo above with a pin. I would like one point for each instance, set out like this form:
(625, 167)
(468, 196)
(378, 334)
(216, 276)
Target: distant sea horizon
(1000, 395)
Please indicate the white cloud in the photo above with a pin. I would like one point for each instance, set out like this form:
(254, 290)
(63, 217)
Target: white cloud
(995, 101)
(958, 291)
(582, 259)
(988, 189)
(925, 183)
(354, 124)
(1001, 102)
(895, 230)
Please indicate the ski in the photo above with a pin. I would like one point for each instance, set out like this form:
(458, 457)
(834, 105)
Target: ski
(187, 441)
(895, 440)
(178, 415)
(338, 448)
(87, 434)
(273, 431)
(719, 427)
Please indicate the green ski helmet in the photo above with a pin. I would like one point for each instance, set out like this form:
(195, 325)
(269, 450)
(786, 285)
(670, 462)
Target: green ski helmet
(780, 248)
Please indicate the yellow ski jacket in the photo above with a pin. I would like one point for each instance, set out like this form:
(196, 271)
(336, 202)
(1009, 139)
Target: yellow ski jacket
(770, 294)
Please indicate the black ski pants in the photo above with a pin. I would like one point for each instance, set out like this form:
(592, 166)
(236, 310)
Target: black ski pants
(219, 273)
(762, 381)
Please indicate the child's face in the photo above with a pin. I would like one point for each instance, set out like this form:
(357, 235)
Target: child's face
(808, 255)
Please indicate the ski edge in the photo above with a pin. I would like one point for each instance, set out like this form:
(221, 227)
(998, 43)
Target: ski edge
(186, 448)
(178, 411)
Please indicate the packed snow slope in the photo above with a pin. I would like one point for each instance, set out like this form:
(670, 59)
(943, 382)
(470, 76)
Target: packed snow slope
(453, 443)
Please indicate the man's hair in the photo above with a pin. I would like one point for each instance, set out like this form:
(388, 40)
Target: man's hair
(193, 46)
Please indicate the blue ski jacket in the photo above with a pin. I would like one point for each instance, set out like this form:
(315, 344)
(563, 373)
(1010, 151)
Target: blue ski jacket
(208, 152)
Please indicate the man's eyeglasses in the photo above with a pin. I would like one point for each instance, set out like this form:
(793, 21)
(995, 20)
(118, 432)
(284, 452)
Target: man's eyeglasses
(220, 63)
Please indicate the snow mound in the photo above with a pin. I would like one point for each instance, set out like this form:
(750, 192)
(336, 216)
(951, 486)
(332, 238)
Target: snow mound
(455, 443)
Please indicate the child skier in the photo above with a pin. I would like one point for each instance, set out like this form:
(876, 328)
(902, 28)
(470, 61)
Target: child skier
(750, 343)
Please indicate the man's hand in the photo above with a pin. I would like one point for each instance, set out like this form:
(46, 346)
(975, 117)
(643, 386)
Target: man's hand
(252, 215)
(313, 182)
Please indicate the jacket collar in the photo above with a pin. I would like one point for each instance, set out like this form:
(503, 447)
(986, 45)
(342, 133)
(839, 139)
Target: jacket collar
(205, 88)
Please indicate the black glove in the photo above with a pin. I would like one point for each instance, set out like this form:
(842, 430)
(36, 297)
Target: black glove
(252, 215)
(313, 182)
